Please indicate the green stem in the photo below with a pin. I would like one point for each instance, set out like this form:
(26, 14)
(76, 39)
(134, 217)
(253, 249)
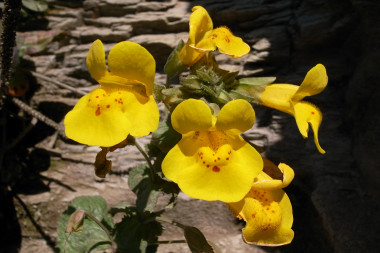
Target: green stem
(169, 242)
(102, 227)
(142, 151)
(164, 219)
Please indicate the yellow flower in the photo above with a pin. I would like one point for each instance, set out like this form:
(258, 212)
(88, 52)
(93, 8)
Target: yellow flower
(267, 209)
(212, 161)
(123, 104)
(203, 38)
(288, 98)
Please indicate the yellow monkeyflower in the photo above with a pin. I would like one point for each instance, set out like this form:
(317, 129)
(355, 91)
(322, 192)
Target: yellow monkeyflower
(288, 98)
(212, 161)
(203, 38)
(123, 104)
(267, 209)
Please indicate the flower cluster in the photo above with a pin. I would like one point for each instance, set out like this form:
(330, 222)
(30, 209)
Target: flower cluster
(211, 161)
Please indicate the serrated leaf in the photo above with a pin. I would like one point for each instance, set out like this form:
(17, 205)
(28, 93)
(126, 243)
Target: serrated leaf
(92, 237)
(196, 240)
(140, 183)
(134, 234)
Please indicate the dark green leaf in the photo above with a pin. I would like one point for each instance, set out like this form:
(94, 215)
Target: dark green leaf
(134, 233)
(147, 193)
(165, 137)
(196, 240)
(140, 183)
(92, 237)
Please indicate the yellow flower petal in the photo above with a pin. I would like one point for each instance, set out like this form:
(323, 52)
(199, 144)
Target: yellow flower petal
(200, 23)
(188, 55)
(96, 60)
(191, 115)
(264, 181)
(105, 117)
(306, 113)
(179, 157)
(278, 96)
(224, 172)
(314, 83)
(98, 118)
(237, 116)
(144, 117)
(133, 62)
(229, 44)
(268, 215)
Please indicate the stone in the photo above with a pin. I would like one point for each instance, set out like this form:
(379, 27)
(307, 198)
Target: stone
(87, 34)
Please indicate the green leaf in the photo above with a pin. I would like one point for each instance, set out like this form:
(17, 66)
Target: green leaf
(93, 238)
(165, 137)
(257, 81)
(35, 5)
(147, 192)
(196, 240)
(135, 233)
(140, 183)
(250, 88)
(173, 65)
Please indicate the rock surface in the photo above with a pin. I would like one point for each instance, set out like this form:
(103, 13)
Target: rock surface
(334, 196)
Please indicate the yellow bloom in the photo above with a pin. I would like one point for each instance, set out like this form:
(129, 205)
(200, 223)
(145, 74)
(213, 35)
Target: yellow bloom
(212, 161)
(203, 38)
(123, 104)
(288, 98)
(267, 209)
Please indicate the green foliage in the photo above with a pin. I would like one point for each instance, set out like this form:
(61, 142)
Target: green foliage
(137, 233)
(250, 88)
(35, 5)
(173, 65)
(92, 238)
(148, 191)
(196, 240)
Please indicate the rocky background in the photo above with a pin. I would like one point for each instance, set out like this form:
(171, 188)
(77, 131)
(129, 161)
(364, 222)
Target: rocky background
(334, 196)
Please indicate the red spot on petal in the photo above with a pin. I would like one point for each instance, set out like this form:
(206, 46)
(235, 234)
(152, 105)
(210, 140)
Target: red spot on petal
(97, 96)
(218, 158)
(253, 215)
(227, 158)
(215, 169)
(313, 113)
(97, 112)
(204, 162)
(208, 165)
(108, 106)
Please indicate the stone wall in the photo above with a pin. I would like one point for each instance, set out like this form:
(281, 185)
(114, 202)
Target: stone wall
(334, 196)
